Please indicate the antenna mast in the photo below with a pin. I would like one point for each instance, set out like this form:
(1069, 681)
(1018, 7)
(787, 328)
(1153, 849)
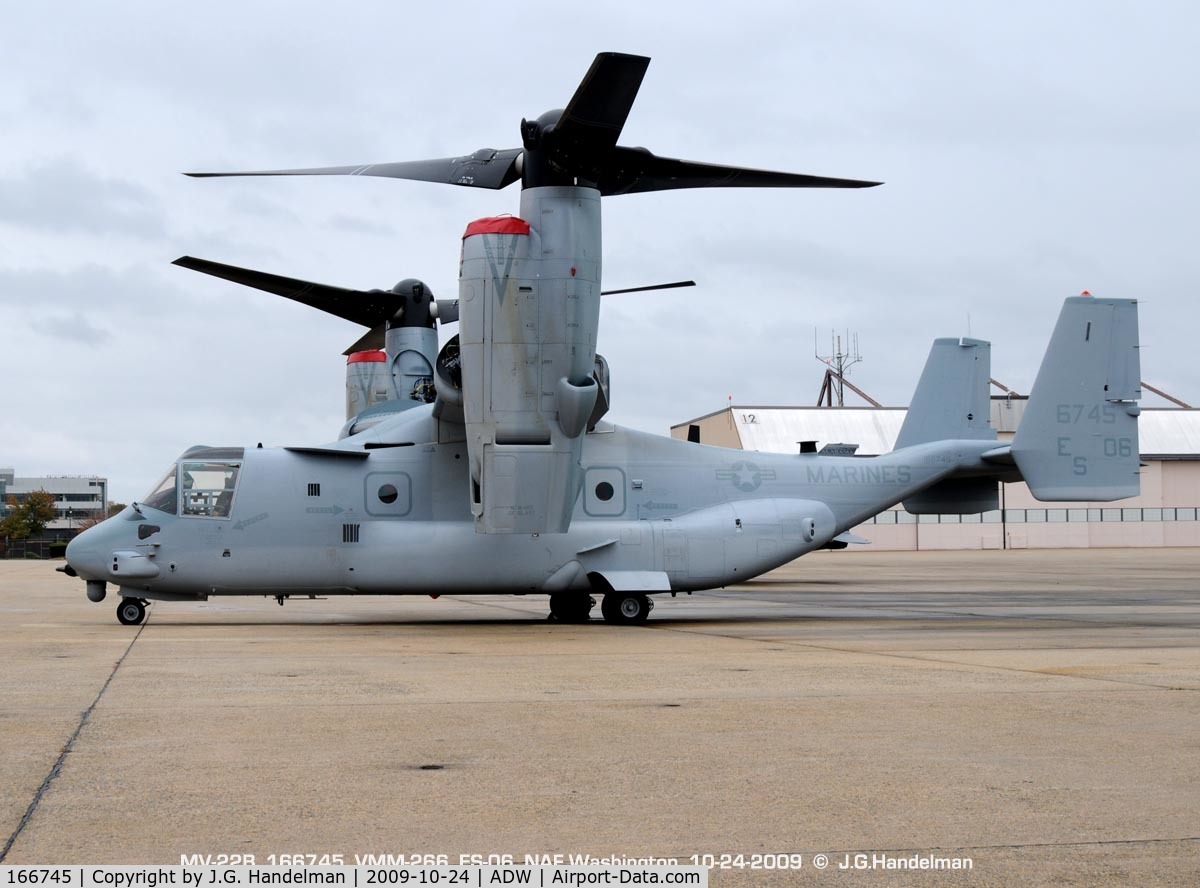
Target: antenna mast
(839, 363)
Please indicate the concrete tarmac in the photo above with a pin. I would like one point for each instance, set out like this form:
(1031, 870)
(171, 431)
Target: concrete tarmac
(1035, 711)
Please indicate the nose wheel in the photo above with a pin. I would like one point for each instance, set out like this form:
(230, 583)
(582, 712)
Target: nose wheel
(131, 611)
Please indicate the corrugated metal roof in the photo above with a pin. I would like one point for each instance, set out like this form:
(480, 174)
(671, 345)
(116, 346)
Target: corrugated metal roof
(1168, 432)
(777, 429)
(1161, 432)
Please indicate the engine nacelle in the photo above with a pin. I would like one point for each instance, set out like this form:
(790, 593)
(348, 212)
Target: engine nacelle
(366, 381)
(529, 308)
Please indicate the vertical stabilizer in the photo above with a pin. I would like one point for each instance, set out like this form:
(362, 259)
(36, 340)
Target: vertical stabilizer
(951, 400)
(1078, 438)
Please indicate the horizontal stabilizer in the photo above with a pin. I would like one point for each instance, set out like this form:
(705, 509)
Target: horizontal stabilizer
(1078, 438)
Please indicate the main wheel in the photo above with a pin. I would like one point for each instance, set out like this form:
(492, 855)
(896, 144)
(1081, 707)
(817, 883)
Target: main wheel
(571, 607)
(626, 607)
(131, 611)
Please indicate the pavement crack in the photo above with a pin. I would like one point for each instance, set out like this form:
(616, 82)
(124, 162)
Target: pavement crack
(70, 744)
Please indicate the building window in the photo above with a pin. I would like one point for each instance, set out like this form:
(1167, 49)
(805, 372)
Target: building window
(1152, 514)
(1131, 514)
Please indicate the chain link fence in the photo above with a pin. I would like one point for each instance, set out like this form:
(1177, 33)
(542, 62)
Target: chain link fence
(32, 548)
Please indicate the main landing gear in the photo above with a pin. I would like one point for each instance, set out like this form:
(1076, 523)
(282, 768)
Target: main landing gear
(626, 607)
(617, 607)
(571, 607)
(131, 611)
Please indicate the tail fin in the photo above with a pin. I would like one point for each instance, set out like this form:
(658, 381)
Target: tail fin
(1078, 438)
(951, 400)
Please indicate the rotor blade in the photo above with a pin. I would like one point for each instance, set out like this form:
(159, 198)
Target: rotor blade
(374, 338)
(366, 307)
(486, 168)
(649, 287)
(447, 312)
(634, 170)
(593, 119)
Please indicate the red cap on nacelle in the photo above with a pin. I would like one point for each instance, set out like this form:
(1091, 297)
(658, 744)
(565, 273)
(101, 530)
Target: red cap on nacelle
(497, 225)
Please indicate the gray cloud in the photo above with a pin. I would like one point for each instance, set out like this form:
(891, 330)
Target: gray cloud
(75, 327)
(63, 195)
(361, 226)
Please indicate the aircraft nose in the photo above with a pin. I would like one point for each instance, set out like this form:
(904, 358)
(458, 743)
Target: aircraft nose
(87, 553)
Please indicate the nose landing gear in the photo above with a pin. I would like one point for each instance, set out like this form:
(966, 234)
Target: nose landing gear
(131, 611)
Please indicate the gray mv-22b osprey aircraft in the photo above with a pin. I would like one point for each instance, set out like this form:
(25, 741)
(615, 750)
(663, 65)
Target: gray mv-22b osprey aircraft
(487, 467)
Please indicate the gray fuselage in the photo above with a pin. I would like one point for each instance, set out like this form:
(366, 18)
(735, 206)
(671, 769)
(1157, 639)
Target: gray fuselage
(395, 518)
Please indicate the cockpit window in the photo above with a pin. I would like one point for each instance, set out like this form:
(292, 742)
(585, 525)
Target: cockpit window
(208, 488)
(163, 497)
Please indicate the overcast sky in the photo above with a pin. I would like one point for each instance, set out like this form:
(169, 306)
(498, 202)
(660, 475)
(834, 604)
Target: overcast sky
(1030, 150)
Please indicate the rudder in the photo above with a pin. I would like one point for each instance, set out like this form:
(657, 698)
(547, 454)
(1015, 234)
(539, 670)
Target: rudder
(1078, 439)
